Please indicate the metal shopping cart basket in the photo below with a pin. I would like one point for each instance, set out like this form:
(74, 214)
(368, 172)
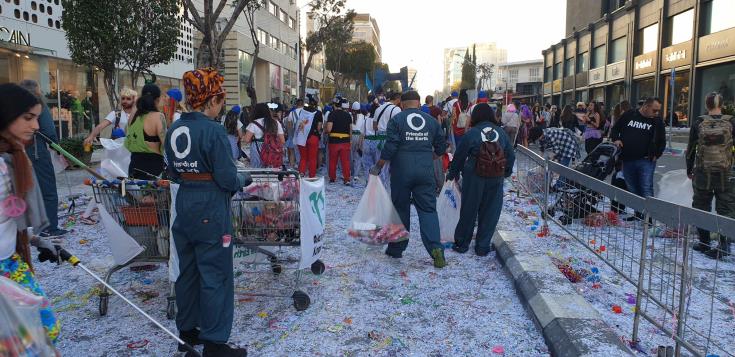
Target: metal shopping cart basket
(142, 209)
(266, 218)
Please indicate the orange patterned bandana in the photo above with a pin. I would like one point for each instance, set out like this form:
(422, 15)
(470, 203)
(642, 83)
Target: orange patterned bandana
(202, 84)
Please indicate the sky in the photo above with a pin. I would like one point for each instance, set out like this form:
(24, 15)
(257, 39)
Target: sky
(414, 33)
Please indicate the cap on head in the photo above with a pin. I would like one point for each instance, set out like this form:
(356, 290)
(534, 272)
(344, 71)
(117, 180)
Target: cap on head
(202, 84)
(356, 106)
(482, 95)
(175, 94)
(236, 109)
(455, 94)
(410, 95)
(344, 104)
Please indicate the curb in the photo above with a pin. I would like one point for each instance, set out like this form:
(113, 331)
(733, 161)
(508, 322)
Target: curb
(570, 325)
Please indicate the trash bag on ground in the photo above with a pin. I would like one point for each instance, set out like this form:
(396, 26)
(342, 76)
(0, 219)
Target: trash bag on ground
(21, 331)
(116, 158)
(447, 207)
(376, 220)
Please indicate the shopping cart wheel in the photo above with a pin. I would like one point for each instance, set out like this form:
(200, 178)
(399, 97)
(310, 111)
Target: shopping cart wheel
(275, 267)
(317, 267)
(551, 212)
(104, 300)
(301, 301)
(171, 308)
(565, 220)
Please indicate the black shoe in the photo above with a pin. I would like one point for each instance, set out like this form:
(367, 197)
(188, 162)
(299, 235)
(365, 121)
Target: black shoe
(54, 232)
(212, 349)
(482, 252)
(191, 338)
(702, 247)
(398, 255)
(331, 181)
(459, 249)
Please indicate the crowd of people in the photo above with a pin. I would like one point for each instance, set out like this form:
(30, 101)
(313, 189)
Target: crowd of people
(412, 147)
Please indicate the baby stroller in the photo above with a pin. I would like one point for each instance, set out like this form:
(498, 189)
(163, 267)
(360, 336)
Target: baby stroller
(576, 201)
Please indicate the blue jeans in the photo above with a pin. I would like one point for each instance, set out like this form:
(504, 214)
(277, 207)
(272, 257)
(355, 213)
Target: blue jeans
(639, 176)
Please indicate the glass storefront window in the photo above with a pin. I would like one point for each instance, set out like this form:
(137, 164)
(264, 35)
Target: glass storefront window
(583, 61)
(716, 79)
(618, 49)
(649, 39)
(598, 95)
(568, 98)
(569, 67)
(680, 28)
(582, 96)
(598, 57)
(680, 96)
(717, 16)
(643, 89)
(557, 71)
(245, 65)
(616, 94)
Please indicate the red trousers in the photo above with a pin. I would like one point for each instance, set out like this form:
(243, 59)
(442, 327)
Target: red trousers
(308, 155)
(342, 152)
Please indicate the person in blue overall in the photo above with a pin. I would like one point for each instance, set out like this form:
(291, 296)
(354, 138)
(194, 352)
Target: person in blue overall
(199, 159)
(413, 140)
(482, 197)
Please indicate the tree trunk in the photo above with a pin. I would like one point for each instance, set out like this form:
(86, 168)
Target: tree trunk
(251, 87)
(304, 75)
(110, 78)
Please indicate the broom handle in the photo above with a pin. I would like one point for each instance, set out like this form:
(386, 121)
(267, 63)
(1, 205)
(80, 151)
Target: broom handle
(71, 157)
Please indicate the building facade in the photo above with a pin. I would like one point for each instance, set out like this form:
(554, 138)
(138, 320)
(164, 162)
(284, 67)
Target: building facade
(367, 30)
(487, 53)
(511, 74)
(677, 50)
(33, 46)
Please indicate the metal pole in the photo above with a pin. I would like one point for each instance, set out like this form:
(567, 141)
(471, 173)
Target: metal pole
(680, 318)
(58, 102)
(671, 110)
(641, 277)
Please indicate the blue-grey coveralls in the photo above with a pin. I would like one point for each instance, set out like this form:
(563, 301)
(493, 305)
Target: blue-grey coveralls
(412, 139)
(205, 286)
(44, 169)
(482, 197)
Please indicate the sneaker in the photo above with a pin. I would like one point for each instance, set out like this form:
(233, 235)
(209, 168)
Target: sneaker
(458, 249)
(191, 338)
(438, 255)
(53, 232)
(394, 255)
(347, 183)
(212, 349)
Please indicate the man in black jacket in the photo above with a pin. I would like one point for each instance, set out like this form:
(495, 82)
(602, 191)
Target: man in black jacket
(642, 137)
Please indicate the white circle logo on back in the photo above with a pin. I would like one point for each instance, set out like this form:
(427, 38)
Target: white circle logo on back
(182, 130)
(409, 121)
(485, 135)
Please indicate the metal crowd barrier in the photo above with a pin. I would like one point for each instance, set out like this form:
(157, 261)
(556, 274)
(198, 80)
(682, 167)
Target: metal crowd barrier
(681, 293)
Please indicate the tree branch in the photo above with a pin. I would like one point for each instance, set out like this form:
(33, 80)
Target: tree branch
(231, 22)
(195, 19)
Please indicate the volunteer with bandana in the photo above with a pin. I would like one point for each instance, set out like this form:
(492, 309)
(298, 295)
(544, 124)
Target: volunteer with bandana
(199, 159)
(414, 139)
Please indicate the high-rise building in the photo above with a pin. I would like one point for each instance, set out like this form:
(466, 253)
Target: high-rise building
(33, 45)
(634, 48)
(413, 78)
(366, 29)
(487, 53)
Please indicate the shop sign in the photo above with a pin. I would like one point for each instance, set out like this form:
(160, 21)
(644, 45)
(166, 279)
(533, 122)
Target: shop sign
(597, 75)
(675, 56)
(556, 86)
(15, 36)
(645, 63)
(717, 45)
(615, 71)
(547, 88)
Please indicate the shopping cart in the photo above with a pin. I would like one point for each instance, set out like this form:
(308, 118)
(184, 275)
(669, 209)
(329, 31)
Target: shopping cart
(266, 215)
(142, 209)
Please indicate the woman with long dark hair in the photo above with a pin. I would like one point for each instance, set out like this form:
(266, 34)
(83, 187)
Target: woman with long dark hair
(482, 197)
(233, 127)
(256, 133)
(460, 116)
(145, 136)
(19, 112)
(594, 121)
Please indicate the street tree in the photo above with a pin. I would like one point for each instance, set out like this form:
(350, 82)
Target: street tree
(469, 68)
(152, 30)
(96, 35)
(213, 27)
(350, 63)
(331, 21)
(249, 12)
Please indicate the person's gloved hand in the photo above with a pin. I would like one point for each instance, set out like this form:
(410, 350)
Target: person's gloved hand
(244, 178)
(375, 170)
(450, 177)
(46, 250)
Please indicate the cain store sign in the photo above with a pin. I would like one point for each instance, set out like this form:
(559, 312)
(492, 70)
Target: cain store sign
(15, 36)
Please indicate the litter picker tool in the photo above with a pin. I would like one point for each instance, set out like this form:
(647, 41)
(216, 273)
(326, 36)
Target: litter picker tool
(74, 261)
(69, 156)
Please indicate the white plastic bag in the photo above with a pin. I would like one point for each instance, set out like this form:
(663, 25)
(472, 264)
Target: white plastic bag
(676, 187)
(58, 161)
(116, 158)
(447, 207)
(376, 220)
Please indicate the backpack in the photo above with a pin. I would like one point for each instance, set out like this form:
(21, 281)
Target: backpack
(463, 118)
(271, 152)
(715, 145)
(490, 159)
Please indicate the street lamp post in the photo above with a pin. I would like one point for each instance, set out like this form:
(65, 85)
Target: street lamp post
(298, 48)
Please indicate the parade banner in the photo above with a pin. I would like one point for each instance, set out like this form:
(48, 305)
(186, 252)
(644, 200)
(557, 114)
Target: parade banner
(313, 213)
